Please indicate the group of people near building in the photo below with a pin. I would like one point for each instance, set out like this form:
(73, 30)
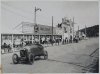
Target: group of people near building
(50, 41)
(43, 40)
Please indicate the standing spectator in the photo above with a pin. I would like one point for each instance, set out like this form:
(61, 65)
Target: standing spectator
(48, 40)
(57, 40)
(5, 46)
(40, 41)
(37, 40)
(63, 41)
(43, 40)
(9, 48)
(51, 41)
(66, 40)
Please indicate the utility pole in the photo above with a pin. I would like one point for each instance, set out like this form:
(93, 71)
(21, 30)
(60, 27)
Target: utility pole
(35, 23)
(52, 30)
(73, 28)
(35, 26)
(85, 31)
(52, 27)
(35, 16)
(78, 30)
(36, 9)
(78, 33)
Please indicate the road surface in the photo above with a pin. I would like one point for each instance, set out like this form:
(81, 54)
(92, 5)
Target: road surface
(69, 58)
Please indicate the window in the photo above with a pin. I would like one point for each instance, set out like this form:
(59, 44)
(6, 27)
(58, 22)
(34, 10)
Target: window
(65, 31)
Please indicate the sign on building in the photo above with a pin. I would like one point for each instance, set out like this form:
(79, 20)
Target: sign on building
(46, 30)
(27, 27)
(59, 31)
(37, 29)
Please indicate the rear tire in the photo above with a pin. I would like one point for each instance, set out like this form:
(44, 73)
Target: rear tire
(31, 58)
(15, 59)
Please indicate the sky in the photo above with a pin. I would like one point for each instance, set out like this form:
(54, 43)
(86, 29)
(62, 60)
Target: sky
(15, 12)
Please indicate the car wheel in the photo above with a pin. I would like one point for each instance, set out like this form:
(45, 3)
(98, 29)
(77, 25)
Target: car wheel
(31, 58)
(15, 59)
(45, 55)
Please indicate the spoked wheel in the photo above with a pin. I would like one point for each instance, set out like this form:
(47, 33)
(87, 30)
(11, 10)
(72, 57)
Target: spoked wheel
(15, 59)
(45, 55)
(31, 58)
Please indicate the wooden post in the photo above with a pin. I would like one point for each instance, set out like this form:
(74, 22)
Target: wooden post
(35, 15)
(39, 38)
(12, 43)
(73, 29)
(78, 32)
(52, 27)
(52, 30)
(32, 39)
(23, 41)
(1, 38)
(85, 31)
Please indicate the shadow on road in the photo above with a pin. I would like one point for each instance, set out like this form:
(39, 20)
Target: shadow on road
(92, 68)
(77, 64)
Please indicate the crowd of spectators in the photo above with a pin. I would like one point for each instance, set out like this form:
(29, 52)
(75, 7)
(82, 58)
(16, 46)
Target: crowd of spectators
(43, 41)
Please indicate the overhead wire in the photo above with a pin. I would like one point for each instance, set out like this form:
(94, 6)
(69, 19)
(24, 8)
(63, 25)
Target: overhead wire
(13, 9)
(15, 13)
(18, 9)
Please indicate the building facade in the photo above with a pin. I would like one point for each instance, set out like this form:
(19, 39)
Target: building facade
(31, 33)
(66, 29)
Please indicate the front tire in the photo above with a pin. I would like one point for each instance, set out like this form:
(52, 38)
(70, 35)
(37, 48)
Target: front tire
(45, 55)
(31, 58)
(15, 59)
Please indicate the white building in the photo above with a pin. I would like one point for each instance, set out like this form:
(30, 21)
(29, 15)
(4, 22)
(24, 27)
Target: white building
(66, 29)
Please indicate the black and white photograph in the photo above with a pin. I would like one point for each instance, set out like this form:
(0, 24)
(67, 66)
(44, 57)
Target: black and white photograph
(49, 36)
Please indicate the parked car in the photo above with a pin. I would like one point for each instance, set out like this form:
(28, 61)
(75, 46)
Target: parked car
(76, 39)
(28, 54)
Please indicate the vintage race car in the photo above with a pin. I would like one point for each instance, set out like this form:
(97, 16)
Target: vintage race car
(28, 54)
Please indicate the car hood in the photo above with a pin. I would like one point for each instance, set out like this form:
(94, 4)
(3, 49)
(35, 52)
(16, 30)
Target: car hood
(29, 47)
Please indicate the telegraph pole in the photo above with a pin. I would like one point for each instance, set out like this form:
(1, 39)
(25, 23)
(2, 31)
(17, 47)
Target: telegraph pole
(85, 31)
(35, 26)
(73, 28)
(52, 27)
(78, 32)
(52, 30)
(36, 9)
(35, 22)
(35, 16)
